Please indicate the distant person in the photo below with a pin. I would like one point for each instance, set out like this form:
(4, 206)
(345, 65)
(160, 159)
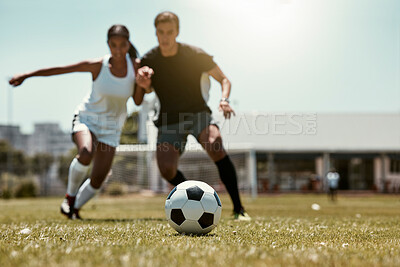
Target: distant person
(98, 120)
(333, 183)
(177, 69)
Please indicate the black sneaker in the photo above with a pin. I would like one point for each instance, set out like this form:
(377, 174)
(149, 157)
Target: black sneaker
(75, 215)
(67, 206)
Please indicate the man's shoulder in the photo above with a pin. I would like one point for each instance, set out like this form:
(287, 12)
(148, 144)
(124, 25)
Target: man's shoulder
(191, 49)
(151, 54)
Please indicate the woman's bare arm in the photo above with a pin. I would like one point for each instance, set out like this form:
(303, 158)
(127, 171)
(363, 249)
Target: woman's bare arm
(92, 66)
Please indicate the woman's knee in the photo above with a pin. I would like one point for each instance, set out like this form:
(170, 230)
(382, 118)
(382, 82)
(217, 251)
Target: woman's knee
(100, 172)
(85, 155)
(98, 176)
(96, 182)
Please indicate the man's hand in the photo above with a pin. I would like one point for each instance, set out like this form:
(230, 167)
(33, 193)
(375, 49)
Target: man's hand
(143, 78)
(226, 109)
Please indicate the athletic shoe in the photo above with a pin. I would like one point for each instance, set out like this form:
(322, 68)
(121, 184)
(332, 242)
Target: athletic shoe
(75, 215)
(241, 216)
(67, 206)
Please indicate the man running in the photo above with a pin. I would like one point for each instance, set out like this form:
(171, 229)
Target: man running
(174, 72)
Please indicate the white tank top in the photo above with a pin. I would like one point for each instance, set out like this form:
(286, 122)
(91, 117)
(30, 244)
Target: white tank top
(105, 106)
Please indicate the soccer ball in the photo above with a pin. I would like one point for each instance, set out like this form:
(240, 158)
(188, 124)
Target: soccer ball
(193, 207)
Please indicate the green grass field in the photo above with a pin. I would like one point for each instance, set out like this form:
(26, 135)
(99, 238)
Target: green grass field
(132, 231)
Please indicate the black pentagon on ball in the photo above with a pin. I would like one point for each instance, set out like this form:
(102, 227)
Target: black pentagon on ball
(217, 198)
(206, 220)
(177, 216)
(194, 193)
(172, 191)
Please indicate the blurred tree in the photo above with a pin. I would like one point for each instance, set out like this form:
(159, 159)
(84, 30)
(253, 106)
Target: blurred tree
(64, 162)
(19, 162)
(40, 163)
(4, 147)
(26, 189)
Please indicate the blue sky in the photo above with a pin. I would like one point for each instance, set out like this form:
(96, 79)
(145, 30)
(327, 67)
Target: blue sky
(281, 55)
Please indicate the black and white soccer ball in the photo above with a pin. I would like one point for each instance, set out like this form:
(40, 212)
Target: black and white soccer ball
(193, 207)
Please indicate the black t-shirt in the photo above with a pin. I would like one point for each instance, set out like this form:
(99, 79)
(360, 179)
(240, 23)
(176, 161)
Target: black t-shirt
(176, 81)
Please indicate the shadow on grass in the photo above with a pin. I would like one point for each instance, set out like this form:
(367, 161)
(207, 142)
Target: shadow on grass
(117, 220)
(132, 220)
(192, 235)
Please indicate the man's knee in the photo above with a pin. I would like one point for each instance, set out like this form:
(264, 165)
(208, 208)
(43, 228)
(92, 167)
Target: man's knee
(168, 171)
(215, 148)
(167, 160)
(217, 155)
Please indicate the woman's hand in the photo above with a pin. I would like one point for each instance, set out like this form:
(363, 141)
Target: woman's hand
(226, 109)
(17, 79)
(143, 78)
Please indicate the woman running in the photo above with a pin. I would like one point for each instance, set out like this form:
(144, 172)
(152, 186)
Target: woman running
(98, 120)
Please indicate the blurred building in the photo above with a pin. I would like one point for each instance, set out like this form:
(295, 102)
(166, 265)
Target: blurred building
(294, 151)
(46, 138)
(293, 148)
(14, 136)
(49, 138)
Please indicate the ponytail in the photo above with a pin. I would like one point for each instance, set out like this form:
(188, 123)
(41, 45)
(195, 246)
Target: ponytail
(133, 53)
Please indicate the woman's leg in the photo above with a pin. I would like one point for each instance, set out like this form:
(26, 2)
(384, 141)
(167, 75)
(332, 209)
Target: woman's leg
(102, 162)
(84, 141)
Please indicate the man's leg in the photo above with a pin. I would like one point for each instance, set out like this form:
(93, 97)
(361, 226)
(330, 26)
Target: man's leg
(167, 160)
(331, 193)
(210, 139)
